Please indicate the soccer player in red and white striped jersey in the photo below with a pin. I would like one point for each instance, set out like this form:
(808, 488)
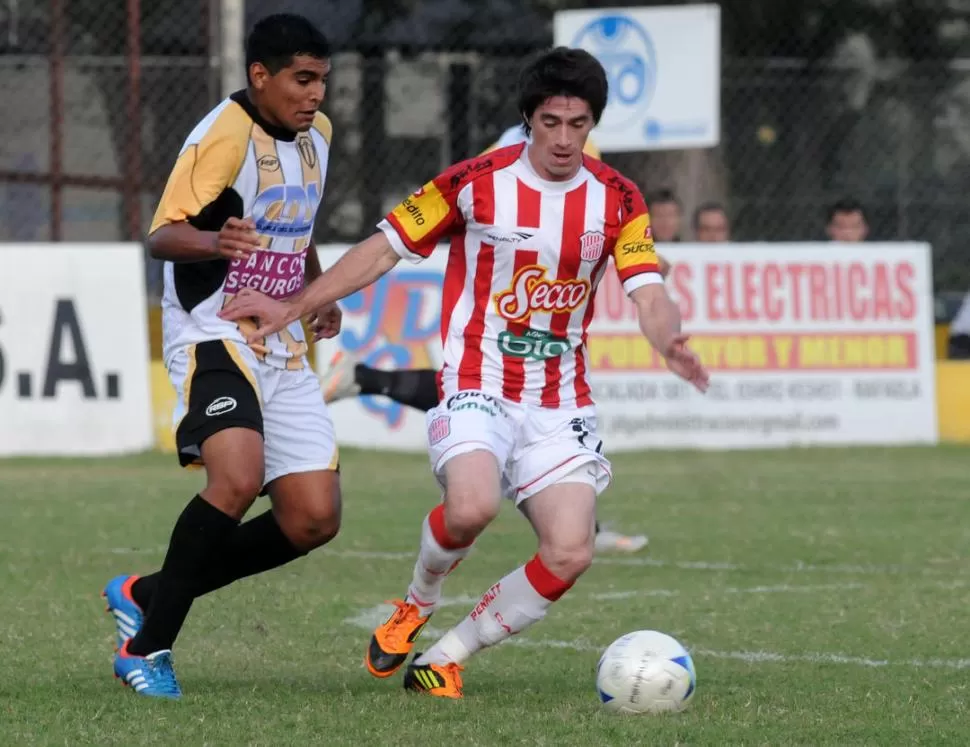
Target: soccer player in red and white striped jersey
(531, 228)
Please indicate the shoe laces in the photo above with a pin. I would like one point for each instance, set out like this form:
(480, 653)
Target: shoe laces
(161, 675)
(454, 671)
(396, 631)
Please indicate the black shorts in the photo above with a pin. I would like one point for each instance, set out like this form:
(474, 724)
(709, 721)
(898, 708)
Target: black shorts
(220, 396)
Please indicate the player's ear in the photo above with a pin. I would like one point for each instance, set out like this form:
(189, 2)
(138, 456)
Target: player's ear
(258, 75)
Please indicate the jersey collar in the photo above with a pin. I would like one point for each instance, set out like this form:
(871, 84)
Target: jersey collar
(274, 131)
(529, 175)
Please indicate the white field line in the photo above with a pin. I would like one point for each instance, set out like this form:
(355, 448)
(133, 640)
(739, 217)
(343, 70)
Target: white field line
(648, 562)
(368, 619)
(697, 565)
(798, 567)
(776, 589)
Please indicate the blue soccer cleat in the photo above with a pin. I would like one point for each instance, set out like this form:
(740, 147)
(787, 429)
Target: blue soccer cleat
(128, 616)
(150, 675)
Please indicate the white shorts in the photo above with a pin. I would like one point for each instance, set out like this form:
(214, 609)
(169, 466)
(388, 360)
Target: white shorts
(535, 446)
(221, 384)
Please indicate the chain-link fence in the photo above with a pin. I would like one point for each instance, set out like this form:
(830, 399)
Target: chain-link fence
(98, 97)
(821, 99)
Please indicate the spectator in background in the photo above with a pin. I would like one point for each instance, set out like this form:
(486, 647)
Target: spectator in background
(846, 221)
(665, 216)
(711, 223)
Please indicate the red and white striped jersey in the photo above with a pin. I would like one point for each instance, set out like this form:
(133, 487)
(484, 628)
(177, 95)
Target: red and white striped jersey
(526, 256)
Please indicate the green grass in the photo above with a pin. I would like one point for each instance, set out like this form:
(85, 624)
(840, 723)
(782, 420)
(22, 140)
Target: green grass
(771, 563)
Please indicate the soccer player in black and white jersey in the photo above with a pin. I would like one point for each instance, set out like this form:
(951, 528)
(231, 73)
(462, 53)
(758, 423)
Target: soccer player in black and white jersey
(238, 212)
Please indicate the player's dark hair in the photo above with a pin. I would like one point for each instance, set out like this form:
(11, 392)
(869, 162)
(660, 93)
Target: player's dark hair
(661, 197)
(562, 72)
(845, 205)
(708, 207)
(275, 40)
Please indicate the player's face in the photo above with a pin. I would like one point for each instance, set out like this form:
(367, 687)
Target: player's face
(712, 225)
(848, 227)
(665, 221)
(560, 127)
(292, 97)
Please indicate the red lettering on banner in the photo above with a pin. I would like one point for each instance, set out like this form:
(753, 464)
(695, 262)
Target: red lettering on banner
(713, 292)
(881, 306)
(857, 309)
(796, 290)
(774, 307)
(818, 289)
(839, 285)
(612, 301)
(906, 308)
(680, 278)
(750, 285)
(780, 292)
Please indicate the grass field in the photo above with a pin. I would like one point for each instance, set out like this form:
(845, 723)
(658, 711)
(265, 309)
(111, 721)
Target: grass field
(824, 595)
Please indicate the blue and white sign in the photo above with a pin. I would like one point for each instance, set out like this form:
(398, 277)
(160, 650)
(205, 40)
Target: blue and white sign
(664, 70)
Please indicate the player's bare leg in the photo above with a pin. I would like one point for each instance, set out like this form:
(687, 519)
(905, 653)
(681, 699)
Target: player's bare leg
(345, 377)
(307, 507)
(562, 516)
(472, 500)
(305, 514)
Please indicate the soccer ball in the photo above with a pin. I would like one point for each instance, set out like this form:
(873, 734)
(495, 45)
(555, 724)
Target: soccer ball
(645, 672)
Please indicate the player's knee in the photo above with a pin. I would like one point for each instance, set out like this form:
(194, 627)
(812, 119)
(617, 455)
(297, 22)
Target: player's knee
(234, 491)
(316, 523)
(567, 561)
(468, 512)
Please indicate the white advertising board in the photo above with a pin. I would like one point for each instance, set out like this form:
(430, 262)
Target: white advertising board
(807, 344)
(74, 355)
(663, 65)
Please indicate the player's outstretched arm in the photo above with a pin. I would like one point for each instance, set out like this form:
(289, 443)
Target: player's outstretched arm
(362, 265)
(659, 319)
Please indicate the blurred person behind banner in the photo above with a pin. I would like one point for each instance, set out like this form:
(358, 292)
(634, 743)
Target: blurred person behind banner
(666, 216)
(846, 221)
(711, 223)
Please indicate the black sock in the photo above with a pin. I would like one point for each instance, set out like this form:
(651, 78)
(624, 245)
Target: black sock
(417, 389)
(198, 540)
(254, 547)
(597, 531)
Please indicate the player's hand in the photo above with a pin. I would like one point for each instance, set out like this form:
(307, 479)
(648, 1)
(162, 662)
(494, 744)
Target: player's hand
(269, 314)
(685, 363)
(237, 239)
(325, 322)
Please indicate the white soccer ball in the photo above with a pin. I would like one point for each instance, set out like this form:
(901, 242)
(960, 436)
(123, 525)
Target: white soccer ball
(645, 672)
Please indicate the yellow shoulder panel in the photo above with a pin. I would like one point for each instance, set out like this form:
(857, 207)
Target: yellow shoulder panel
(323, 125)
(205, 169)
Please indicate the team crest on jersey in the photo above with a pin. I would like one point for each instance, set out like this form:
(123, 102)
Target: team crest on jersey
(591, 246)
(308, 152)
(439, 429)
(531, 292)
